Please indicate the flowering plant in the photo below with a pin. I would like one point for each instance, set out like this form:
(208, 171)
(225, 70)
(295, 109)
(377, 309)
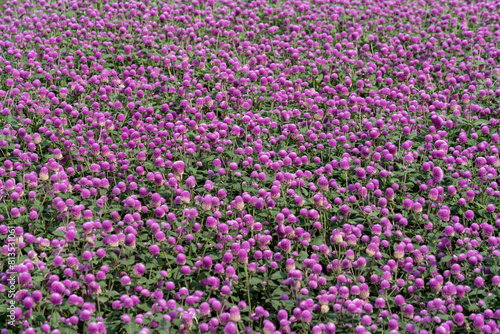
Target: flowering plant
(249, 167)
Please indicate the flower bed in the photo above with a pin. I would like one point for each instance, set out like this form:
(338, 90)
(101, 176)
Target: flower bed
(249, 167)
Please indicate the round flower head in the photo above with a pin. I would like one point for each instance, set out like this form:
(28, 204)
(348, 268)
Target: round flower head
(336, 237)
(416, 207)
(154, 249)
(323, 184)
(407, 204)
(479, 282)
(444, 214)
(285, 245)
(437, 174)
(190, 182)
(56, 299)
(186, 197)
(435, 285)
(459, 319)
(452, 190)
(239, 204)
(364, 291)
(207, 203)
(389, 194)
(230, 328)
(187, 320)
(469, 196)
(380, 302)
(433, 194)
(178, 167)
(139, 269)
(408, 311)
(496, 281)
(207, 262)
(360, 173)
(235, 314)
(242, 256)
(372, 249)
(344, 164)
(399, 252)
(268, 327)
(211, 222)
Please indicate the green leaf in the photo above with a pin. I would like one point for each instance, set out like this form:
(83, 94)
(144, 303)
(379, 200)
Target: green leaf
(131, 328)
(113, 255)
(55, 317)
(480, 121)
(447, 258)
(276, 304)
(279, 291)
(278, 275)
(128, 261)
(256, 280)
(318, 241)
(59, 233)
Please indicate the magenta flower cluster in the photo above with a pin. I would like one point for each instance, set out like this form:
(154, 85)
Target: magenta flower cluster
(267, 167)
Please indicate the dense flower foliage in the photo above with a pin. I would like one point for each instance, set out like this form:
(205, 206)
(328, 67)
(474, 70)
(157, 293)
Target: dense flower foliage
(323, 166)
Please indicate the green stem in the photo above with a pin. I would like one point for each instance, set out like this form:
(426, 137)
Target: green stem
(248, 289)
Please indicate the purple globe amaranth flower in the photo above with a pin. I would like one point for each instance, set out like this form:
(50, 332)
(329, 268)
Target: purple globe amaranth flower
(380, 302)
(407, 204)
(178, 168)
(336, 237)
(56, 299)
(185, 197)
(235, 314)
(154, 249)
(206, 203)
(360, 173)
(459, 318)
(242, 256)
(496, 281)
(323, 184)
(344, 164)
(372, 249)
(139, 270)
(389, 194)
(469, 196)
(433, 194)
(435, 285)
(239, 204)
(416, 207)
(207, 262)
(190, 182)
(399, 252)
(230, 328)
(444, 214)
(479, 282)
(268, 327)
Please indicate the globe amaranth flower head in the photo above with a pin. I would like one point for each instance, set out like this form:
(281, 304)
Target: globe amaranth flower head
(178, 168)
(437, 174)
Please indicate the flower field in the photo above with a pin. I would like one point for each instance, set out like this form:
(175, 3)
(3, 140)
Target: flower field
(236, 166)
